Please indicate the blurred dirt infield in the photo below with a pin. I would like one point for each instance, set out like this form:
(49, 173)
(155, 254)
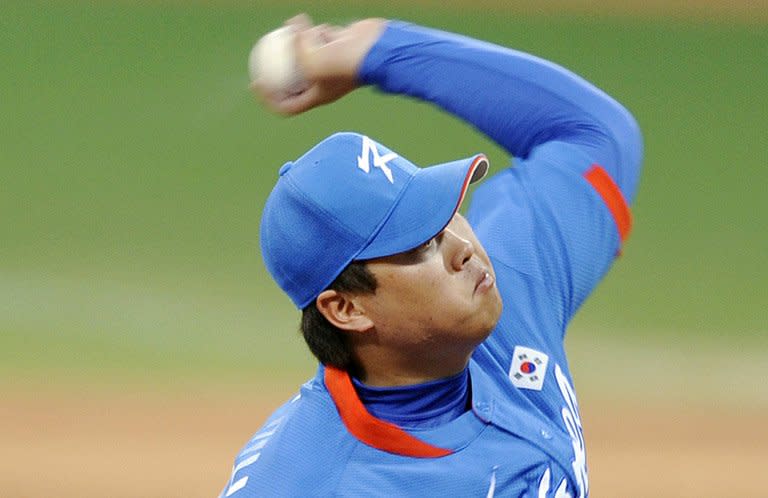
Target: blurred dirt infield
(65, 441)
(148, 444)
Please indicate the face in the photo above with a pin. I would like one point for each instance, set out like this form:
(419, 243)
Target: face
(441, 295)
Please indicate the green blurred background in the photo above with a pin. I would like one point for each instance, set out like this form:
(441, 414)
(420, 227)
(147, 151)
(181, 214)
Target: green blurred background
(134, 164)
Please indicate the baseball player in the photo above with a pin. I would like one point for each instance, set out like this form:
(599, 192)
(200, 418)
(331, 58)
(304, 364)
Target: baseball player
(440, 338)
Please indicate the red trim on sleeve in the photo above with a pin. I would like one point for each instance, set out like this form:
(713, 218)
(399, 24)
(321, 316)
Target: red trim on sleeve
(369, 429)
(613, 198)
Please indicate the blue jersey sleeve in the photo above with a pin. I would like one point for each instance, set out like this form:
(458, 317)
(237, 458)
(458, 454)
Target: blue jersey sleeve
(561, 213)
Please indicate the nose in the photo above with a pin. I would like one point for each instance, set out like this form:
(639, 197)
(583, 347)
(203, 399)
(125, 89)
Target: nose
(462, 250)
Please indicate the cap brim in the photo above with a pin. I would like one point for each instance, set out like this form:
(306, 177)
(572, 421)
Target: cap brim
(426, 206)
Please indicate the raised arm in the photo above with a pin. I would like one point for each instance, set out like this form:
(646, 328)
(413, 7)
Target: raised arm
(518, 100)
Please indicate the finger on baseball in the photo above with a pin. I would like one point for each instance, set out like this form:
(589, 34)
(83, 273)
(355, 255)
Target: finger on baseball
(299, 22)
(307, 44)
(269, 99)
(259, 91)
(281, 103)
(298, 103)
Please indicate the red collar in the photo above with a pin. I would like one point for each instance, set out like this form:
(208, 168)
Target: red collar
(369, 429)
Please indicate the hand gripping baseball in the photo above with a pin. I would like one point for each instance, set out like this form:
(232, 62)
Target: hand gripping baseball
(328, 59)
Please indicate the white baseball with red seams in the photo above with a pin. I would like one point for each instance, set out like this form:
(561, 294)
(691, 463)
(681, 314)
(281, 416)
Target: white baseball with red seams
(272, 62)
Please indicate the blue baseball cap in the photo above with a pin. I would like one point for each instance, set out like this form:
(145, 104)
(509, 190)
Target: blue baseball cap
(350, 198)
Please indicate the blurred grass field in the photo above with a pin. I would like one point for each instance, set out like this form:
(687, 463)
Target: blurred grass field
(134, 165)
(141, 340)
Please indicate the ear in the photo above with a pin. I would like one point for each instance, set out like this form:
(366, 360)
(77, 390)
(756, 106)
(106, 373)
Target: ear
(343, 311)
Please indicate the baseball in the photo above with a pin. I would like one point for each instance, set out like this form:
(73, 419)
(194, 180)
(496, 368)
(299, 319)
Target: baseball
(272, 62)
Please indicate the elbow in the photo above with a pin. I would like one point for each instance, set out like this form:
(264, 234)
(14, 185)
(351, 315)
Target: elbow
(624, 146)
(631, 157)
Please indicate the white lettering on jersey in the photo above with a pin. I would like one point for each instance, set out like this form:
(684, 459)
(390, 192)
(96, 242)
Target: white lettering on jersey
(492, 486)
(363, 161)
(544, 483)
(562, 490)
(255, 445)
(572, 420)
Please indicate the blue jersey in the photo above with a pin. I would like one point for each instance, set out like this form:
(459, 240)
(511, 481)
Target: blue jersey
(552, 225)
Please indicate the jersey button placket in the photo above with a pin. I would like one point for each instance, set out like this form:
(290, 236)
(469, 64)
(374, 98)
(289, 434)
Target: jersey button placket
(483, 410)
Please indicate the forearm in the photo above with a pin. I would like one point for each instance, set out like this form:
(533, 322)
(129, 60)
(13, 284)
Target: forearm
(518, 100)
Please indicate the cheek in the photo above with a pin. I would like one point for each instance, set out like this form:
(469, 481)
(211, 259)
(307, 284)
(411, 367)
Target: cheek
(415, 296)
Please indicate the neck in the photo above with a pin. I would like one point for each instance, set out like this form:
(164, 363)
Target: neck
(386, 370)
(424, 405)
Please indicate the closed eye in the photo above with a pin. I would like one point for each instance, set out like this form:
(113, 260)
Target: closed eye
(417, 254)
(426, 245)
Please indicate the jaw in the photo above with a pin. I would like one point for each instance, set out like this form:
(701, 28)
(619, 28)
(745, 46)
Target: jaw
(409, 344)
(435, 355)
(388, 368)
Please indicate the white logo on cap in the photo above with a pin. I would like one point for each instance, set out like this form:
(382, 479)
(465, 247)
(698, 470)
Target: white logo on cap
(369, 147)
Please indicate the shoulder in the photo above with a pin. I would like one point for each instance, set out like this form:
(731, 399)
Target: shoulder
(302, 448)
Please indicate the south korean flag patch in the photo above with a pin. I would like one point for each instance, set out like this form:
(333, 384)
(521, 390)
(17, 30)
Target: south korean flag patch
(529, 367)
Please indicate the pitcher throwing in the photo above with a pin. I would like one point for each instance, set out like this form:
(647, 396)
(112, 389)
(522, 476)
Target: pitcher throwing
(440, 338)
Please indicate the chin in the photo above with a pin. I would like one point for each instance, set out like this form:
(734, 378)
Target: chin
(487, 320)
(494, 314)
